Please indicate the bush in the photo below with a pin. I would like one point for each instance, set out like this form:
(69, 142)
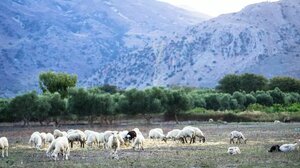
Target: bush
(264, 98)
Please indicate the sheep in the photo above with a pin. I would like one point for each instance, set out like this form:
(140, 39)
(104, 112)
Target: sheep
(198, 133)
(61, 146)
(276, 122)
(123, 134)
(76, 136)
(4, 145)
(106, 136)
(234, 150)
(130, 135)
(88, 132)
(49, 138)
(57, 133)
(137, 131)
(211, 120)
(156, 134)
(113, 142)
(184, 133)
(43, 136)
(285, 147)
(36, 140)
(138, 142)
(92, 138)
(237, 135)
(171, 135)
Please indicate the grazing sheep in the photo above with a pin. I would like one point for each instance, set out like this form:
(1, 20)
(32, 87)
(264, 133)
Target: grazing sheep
(106, 136)
(61, 146)
(198, 133)
(43, 136)
(237, 135)
(49, 138)
(156, 134)
(289, 147)
(57, 133)
(211, 120)
(93, 137)
(131, 135)
(274, 148)
(4, 145)
(113, 142)
(184, 133)
(88, 132)
(138, 142)
(76, 136)
(137, 131)
(172, 135)
(123, 134)
(234, 150)
(36, 140)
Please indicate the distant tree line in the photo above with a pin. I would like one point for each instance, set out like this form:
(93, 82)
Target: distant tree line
(62, 100)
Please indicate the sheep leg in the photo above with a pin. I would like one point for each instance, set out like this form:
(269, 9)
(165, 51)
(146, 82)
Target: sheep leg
(6, 151)
(3, 153)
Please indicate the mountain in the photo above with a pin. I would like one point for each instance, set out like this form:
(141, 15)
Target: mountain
(262, 38)
(78, 36)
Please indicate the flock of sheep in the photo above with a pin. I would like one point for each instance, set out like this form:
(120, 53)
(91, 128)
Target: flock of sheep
(61, 142)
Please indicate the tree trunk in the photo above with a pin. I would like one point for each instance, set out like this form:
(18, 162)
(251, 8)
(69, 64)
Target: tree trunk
(91, 121)
(41, 122)
(176, 118)
(148, 118)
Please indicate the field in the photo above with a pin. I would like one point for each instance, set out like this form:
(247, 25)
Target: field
(159, 154)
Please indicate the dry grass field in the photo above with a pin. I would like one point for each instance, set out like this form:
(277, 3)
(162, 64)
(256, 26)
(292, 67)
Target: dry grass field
(171, 154)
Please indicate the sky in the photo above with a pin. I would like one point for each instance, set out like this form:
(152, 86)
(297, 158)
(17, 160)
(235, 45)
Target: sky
(214, 7)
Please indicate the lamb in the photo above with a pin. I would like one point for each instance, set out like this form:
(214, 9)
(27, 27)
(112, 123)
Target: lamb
(198, 133)
(61, 145)
(237, 135)
(49, 138)
(234, 150)
(156, 134)
(36, 140)
(138, 142)
(171, 134)
(184, 133)
(4, 145)
(113, 142)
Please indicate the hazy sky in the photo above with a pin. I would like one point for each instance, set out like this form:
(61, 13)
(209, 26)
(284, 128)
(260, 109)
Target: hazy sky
(214, 7)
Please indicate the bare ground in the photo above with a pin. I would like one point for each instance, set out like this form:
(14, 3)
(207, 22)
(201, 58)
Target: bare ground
(159, 154)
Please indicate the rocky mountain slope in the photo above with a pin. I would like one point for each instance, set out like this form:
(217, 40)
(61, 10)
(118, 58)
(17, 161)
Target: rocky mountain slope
(262, 38)
(77, 36)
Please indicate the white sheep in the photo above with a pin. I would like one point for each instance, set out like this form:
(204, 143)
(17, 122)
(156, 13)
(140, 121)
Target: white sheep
(138, 142)
(237, 135)
(43, 136)
(156, 134)
(184, 133)
(35, 140)
(4, 145)
(289, 147)
(123, 134)
(88, 132)
(49, 138)
(211, 120)
(234, 150)
(198, 133)
(57, 133)
(106, 136)
(77, 136)
(172, 134)
(92, 138)
(61, 146)
(113, 142)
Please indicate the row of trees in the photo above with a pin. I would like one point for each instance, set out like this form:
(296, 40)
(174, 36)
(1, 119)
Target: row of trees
(61, 100)
(251, 82)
